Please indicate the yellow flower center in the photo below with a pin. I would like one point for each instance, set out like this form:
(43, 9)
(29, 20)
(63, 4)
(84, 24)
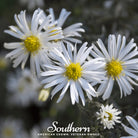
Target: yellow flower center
(32, 43)
(73, 71)
(114, 68)
(8, 132)
(110, 116)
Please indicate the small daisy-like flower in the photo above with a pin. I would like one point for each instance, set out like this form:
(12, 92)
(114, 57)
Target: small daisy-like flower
(34, 40)
(72, 70)
(132, 132)
(108, 116)
(69, 33)
(31, 4)
(24, 88)
(121, 64)
(10, 128)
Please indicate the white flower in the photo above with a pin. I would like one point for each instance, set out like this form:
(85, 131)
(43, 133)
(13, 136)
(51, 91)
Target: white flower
(72, 70)
(71, 32)
(132, 132)
(120, 64)
(31, 4)
(10, 128)
(34, 41)
(24, 88)
(108, 116)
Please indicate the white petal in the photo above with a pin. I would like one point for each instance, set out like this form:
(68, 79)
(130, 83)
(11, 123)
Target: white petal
(131, 75)
(81, 51)
(73, 92)
(102, 47)
(67, 57)
(12, 45)
(50, 79)
(132, 61)
(13, 34)
(80, 93)
(37, 65)
(32, 65)
(118, 45)
(53, 67)
(102, 87)
(131, 54)
(84, 56)
(124, 87)
(53, 72)
(58, 88)
(62, 79)
(63, 16)
(18, 60)
(133, 122)
(123, 44)
(113, 46)
(108, 90)
(129, 130)
(51, 11)
(97, 51)
(87, 87)
(14, 52)
(63, 92)
(69, 51)
(120, 87)
(74, 40)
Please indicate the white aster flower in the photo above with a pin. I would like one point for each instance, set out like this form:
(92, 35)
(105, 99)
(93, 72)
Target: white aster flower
(121, 64)
(108, 116)
(24, 88)
(10, 128)
(35, 42)
(72, 70)
(70, 33)
(132, 132)
(31, 4)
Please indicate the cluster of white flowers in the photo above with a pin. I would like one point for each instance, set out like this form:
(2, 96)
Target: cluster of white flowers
(24, 88)
(55, 61)
(38, 38)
